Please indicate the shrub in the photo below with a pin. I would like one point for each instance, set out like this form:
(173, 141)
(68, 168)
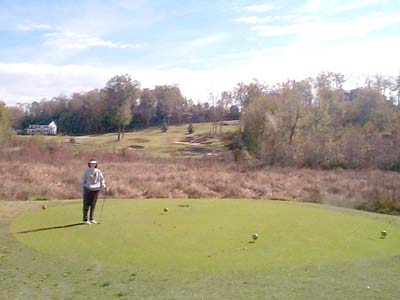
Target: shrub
(312, 194)
(190, 129)
(164, 127)
(381, 201)
(382, 194)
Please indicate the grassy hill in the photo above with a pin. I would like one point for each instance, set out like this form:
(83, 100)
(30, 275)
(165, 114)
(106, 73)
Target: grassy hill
(152, 141)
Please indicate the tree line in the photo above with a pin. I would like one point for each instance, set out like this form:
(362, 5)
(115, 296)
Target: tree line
(3, 121)
(312, 122)
(315, 123)
(121, 105)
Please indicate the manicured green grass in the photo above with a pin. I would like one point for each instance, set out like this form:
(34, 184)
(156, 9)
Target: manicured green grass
(202, 249)
(211, 235)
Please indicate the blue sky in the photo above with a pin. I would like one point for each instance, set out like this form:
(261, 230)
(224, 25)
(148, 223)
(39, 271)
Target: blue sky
(48, 48)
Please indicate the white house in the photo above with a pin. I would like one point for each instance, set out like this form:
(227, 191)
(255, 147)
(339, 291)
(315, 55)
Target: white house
(50, 129)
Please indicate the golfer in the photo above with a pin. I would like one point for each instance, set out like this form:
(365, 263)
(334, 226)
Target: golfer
(92, 182)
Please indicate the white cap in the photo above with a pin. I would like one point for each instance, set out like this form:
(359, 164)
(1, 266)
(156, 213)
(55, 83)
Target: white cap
(92, 161)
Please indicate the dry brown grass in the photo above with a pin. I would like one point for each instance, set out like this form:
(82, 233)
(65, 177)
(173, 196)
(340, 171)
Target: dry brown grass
(148, 178)
(52, 173)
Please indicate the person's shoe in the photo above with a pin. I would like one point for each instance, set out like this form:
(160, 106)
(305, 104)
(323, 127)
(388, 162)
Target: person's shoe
(93, 222)
(87, 222)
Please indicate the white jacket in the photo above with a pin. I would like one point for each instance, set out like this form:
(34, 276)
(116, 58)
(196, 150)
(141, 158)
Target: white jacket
(93, 180)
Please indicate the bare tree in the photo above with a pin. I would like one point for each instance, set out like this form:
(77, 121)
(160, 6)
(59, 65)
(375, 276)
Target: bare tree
(121, 95)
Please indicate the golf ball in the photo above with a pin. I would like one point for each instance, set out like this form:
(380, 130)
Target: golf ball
(255, 236)
(166, 209)
(44, 206)
(384, 233)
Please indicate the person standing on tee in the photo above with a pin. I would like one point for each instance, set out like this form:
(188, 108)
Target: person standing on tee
(92, 181)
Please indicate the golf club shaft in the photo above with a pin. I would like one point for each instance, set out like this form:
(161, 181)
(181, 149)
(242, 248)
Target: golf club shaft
(102, 207)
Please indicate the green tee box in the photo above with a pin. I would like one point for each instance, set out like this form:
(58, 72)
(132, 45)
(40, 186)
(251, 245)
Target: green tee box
(210, 235)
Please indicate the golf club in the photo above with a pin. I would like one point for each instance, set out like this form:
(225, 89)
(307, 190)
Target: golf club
(102, 206)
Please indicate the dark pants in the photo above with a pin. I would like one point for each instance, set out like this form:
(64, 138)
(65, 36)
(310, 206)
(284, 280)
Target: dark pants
(89, 201)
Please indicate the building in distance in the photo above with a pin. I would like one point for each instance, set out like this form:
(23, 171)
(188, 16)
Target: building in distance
(49, 129)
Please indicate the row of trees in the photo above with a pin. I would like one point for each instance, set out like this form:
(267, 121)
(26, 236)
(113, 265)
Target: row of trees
(315, 123)
(122, 104)
(3, 120)
(312, 122)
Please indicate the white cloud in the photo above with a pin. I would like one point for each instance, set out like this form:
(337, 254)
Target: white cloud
(71, 40)
(322, 31)
(342, 6)
(250, 54)
(355, 28)
(318, 47)
(262, 20)
(305, 19)
(313, 5)
(355, 4)
(259, 8)
(276, 30)
(28, 82)
(47, 81)
(62, 38)
(33, 27)
(206, 40)
(253, 20)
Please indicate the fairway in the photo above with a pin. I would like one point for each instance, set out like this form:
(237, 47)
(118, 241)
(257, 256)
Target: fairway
(150, 141)
(211, 235)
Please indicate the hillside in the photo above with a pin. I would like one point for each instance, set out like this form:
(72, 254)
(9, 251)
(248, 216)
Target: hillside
(176, 142)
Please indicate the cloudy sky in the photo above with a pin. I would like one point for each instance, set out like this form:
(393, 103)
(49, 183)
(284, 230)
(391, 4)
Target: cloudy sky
(48, 48)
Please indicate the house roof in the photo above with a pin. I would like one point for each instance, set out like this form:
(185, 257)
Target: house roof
(44, 123)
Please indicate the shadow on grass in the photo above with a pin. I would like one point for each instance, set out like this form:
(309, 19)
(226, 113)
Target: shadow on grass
(50, 228)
